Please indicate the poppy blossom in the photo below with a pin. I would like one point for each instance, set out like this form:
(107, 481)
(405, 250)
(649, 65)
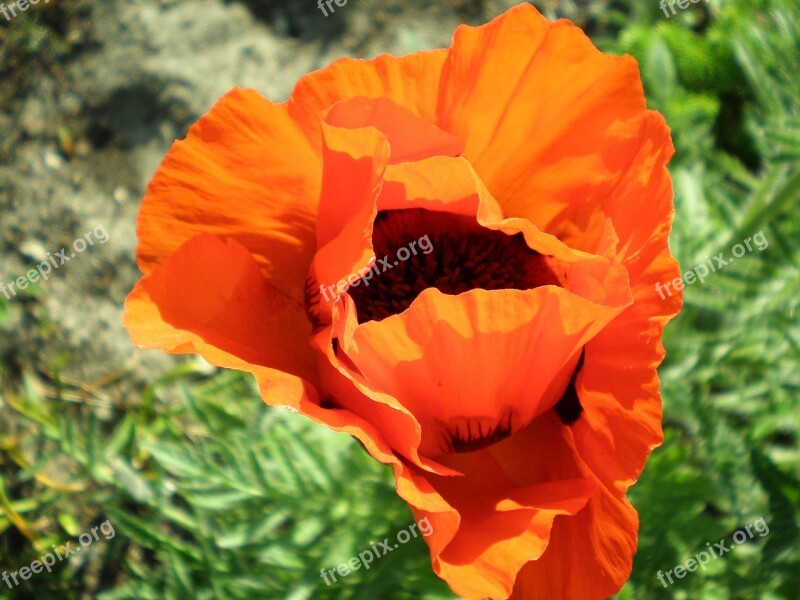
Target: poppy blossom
(508, 374)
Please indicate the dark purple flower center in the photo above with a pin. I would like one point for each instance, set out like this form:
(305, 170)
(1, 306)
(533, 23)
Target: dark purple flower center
(418, 249)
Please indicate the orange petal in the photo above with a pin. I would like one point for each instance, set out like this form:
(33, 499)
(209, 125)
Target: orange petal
(550, 122)
(246, 171)
(410, 137)
(210, 297)
(485, 558)
(641, 206)
(360, 137)
(337, 419)
(354, 162)
(447, 184)
(439, 183)
(410, 81)
(506, 505)
(589, 555)
(618, 390)
(447, 359)
(390, 419)
(619, 387)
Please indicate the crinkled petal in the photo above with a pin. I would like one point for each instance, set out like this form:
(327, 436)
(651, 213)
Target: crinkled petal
(245, 171)
(211, 298)
(550, 122)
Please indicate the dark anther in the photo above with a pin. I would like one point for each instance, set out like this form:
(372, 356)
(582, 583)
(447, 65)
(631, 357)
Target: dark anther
(469, 436)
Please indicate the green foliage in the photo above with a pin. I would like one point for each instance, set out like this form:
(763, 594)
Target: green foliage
(214, 496)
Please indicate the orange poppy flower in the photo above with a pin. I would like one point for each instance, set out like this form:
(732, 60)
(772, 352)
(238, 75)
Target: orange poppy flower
(452, 256)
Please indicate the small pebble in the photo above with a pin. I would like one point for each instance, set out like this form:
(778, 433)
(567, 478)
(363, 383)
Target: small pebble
(53, 160)
(121, 195)
(33, 250)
